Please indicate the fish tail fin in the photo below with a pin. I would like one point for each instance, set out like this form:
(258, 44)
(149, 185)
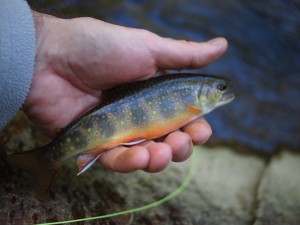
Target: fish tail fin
(43, 176)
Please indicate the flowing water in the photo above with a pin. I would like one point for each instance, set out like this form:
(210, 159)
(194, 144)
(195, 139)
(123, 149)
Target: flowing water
(262, 59)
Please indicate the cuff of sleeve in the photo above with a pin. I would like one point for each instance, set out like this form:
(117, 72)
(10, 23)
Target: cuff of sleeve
(17, 56)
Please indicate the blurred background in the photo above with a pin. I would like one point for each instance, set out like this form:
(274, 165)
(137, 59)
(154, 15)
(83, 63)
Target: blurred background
(262, 60)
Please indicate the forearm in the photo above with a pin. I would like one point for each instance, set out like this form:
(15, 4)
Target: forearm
(17, 56)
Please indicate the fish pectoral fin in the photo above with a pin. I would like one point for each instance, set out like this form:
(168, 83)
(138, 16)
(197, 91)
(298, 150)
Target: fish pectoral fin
(133, 142)
(86, 160)
(195, 110)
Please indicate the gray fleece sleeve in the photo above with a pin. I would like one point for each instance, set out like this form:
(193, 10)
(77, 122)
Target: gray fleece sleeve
(17, 53)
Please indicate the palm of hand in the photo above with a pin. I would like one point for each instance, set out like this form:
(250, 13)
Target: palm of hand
(70, 75)
(91, 56)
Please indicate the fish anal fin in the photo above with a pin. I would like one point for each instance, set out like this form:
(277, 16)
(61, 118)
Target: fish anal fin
(195, 110)
(42, 176)
(133, 142)
(86, 160)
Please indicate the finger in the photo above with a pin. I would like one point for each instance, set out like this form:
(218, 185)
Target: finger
(174, 54)
(124, 160)
(160, 156)
(199, 130)
(181, 145)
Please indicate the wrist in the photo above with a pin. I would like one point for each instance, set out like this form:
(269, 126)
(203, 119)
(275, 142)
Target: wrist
(51, 39)
(41, 24)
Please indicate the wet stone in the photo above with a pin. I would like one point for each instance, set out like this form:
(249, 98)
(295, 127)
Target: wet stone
(279, 192)
(224, 187)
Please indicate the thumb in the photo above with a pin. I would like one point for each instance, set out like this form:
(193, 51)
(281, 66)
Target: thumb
(179, 54)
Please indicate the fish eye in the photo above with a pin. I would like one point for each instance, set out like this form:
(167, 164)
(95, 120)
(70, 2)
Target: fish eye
(222, 87)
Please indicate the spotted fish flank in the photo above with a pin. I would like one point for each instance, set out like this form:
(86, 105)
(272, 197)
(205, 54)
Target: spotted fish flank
(128, 114)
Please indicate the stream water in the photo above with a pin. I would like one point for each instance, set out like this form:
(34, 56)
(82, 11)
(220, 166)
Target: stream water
(263, 57)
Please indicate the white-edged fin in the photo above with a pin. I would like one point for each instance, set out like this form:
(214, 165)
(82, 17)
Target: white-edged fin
(85, 161)
(133, 142)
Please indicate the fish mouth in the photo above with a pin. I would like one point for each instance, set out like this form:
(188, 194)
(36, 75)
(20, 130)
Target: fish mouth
(227, 97)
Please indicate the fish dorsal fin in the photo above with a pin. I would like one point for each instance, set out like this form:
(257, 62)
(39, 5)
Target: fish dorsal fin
(85, 161)
(195, 110)
(133, 142)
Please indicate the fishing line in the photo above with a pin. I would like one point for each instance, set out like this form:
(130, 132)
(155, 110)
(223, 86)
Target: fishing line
(180, 189)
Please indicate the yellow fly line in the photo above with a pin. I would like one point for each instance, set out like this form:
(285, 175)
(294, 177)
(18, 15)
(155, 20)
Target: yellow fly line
(180, 189)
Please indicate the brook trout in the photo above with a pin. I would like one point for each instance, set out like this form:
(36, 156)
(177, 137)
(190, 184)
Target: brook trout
(128, 115)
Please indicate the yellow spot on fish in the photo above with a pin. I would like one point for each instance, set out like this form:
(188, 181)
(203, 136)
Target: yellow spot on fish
(68, 140)
(89, 129)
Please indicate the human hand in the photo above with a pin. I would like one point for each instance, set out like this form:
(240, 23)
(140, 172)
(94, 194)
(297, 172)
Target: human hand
(76, 59)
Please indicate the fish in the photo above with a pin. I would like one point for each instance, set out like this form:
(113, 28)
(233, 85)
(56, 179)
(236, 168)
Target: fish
(129, 114)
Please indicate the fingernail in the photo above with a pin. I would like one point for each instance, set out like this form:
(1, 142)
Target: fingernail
(217, 41)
